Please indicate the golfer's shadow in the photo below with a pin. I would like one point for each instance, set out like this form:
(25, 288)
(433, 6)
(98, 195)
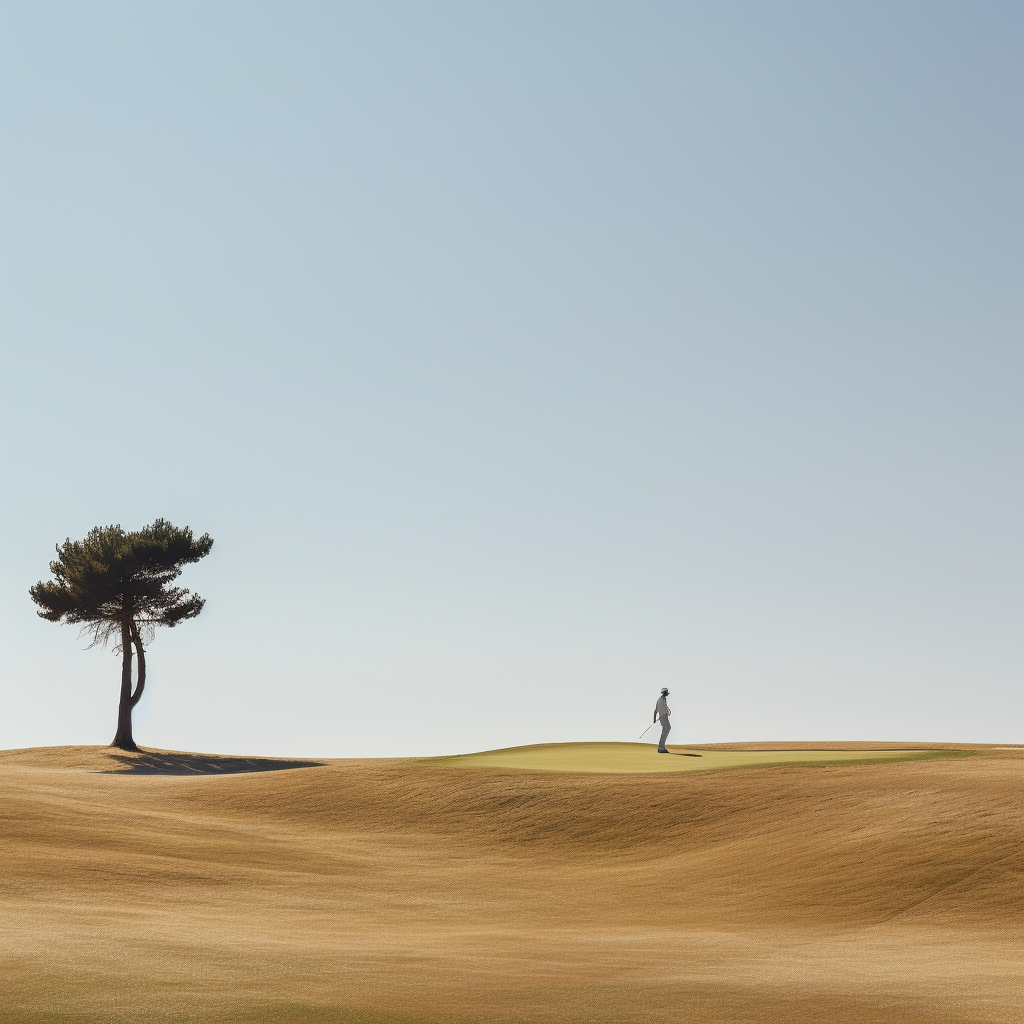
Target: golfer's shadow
(681, 753)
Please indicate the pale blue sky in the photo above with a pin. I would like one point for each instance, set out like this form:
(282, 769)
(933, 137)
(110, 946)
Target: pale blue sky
(521, 359)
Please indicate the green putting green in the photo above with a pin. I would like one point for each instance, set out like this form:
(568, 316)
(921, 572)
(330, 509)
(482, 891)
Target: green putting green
(638, 758)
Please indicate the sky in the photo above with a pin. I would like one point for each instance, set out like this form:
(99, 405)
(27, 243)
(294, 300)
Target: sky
(521, 359)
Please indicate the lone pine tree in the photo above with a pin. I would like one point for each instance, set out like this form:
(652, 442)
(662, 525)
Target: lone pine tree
(117, 586)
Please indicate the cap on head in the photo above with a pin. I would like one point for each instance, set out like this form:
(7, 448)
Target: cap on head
(664, 689)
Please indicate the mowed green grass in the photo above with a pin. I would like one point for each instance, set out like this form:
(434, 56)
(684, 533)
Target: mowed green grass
(643, 758)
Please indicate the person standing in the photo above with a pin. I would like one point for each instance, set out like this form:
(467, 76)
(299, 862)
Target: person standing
(661, 713)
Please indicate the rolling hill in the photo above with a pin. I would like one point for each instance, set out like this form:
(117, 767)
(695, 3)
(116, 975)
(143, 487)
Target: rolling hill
(809, 882)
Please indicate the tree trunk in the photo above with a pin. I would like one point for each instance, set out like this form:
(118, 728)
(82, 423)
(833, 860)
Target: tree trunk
(123, 740)
(140, 683)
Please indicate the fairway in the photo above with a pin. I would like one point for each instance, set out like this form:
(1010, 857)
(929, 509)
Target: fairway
(565, 884)
(642, 758)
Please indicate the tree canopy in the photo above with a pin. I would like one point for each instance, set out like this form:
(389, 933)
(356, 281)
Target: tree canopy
(116, 584)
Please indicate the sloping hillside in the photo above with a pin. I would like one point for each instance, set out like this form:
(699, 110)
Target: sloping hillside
(181, 887)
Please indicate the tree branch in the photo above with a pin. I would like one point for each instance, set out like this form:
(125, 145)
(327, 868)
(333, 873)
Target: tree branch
(137, 641)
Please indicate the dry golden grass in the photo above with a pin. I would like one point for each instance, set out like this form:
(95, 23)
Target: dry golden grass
(174, 887)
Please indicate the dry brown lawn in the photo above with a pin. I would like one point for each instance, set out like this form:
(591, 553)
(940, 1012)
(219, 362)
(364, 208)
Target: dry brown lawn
(167, 887)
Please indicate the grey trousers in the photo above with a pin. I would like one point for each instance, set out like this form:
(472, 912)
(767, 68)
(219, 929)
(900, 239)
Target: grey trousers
(666, 728)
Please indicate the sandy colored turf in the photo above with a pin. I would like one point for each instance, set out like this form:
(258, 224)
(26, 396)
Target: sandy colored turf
(643, 758)
(176, 887)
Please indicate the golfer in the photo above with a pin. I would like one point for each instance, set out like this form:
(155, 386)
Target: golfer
(662, 712)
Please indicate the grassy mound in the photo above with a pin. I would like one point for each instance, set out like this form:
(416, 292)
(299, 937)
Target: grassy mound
(643, 758)
(170, 887)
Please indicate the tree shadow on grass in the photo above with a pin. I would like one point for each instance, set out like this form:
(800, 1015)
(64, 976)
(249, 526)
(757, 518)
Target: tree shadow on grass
(150, 763)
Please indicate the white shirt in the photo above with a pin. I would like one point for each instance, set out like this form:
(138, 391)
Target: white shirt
(661, 708)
